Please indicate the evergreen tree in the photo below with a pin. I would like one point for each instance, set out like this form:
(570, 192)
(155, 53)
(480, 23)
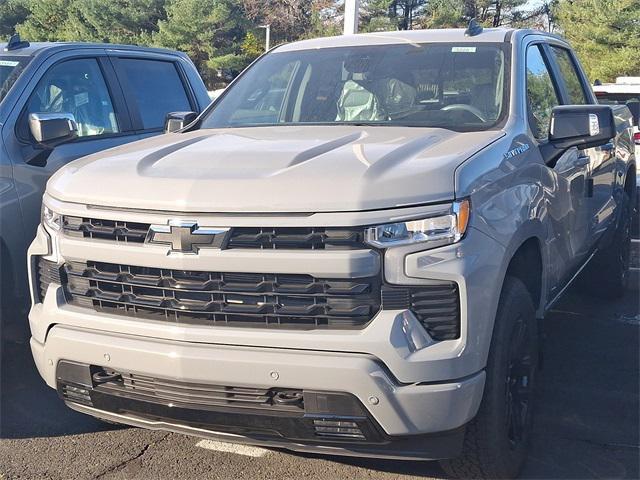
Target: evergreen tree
(605, 34)
(209, 31)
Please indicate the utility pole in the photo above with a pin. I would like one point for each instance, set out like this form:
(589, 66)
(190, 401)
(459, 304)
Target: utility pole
(351, 16)
(267, 36)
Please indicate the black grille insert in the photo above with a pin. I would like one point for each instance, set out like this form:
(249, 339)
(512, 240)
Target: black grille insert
(47, 272)
(437, 307)
(297, 238)
(114, 230)
(214, 298)
(200, 396)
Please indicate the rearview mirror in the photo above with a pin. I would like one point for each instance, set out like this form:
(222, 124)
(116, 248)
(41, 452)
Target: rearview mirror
(582, 126)
(52, 129)
(635, 112)
(175, 121)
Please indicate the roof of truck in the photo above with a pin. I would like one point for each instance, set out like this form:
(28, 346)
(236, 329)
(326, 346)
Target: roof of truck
(36, 48)
(399, 37)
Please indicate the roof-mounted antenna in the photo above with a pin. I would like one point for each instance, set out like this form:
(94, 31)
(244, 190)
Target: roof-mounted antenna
(15, 43)
(473, 29)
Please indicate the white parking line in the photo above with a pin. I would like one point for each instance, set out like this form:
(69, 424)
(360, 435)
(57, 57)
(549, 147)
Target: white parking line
(245, 450)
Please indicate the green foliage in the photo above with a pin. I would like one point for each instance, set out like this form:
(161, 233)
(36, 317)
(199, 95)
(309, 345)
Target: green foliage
(209, 31)
(12, 12)
(605, 34)
(114, 21)
(251, 47)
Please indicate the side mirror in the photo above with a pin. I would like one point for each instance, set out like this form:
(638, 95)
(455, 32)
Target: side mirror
(635, 112)
(51, 129)
(175, 121)
(582, 126)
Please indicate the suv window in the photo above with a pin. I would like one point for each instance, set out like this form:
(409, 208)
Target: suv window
(570, 76)
(541, 94)
(76, 87)
(157, 89)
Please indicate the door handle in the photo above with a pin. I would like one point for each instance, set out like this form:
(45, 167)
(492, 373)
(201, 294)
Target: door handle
(582, 161)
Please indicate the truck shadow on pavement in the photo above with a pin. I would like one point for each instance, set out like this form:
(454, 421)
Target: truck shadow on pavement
(28, 407)
(588, 417)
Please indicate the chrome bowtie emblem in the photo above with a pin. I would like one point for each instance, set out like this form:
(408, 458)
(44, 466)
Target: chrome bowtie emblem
(186, 236)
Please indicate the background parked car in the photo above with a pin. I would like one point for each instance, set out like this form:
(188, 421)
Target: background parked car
(111, 94)
(625, 91)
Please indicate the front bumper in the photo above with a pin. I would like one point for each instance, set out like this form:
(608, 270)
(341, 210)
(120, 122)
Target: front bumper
(395, 410)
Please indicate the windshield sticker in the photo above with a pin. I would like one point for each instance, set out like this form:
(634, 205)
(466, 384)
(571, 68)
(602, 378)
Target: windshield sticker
(516, 151)
(8, 63)
(463, 49)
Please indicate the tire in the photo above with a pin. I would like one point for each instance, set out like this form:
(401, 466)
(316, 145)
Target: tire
(497, 440)
(607, 274)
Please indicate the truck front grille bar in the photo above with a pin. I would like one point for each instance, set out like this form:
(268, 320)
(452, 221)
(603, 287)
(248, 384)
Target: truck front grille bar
(216, 298)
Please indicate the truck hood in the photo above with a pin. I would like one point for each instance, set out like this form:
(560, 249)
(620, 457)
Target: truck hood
(274, 169)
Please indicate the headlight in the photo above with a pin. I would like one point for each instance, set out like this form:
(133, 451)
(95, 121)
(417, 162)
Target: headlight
(51, 219)
(448, 227)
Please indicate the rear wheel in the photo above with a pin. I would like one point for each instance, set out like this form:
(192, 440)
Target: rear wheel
(497, 439)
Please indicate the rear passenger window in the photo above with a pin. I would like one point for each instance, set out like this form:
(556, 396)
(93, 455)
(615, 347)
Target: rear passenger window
(541, 94)
(570, 76)
(157, 89)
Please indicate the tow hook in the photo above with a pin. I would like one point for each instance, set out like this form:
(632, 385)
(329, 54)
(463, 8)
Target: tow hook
(288, 397)
(103, 376)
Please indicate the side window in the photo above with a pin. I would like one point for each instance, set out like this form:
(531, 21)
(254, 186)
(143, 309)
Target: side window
(157, 89)
(570, 76)
(541, 94)
(76, 87)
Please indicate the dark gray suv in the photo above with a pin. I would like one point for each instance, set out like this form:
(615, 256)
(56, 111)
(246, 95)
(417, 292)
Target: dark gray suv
(111, 94)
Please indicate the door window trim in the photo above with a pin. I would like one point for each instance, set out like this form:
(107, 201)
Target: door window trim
(541, 47)
(566, 97)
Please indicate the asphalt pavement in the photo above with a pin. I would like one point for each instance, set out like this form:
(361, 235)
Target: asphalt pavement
(587, 424)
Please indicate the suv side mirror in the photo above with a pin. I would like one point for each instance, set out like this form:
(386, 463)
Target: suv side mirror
(175, 121)
(635, 112)
(582, 126)
(51, 129)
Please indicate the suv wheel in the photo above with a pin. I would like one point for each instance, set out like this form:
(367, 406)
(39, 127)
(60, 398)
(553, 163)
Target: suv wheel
(607, 274)
(497, 439)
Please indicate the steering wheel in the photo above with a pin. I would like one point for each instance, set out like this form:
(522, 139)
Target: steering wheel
(468, 108)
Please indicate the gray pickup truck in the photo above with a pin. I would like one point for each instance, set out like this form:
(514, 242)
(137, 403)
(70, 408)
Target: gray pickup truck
(110, 94)
(346, 253)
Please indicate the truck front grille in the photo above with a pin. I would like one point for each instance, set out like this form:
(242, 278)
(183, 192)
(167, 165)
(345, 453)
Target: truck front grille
(216, 298)
(296, 238)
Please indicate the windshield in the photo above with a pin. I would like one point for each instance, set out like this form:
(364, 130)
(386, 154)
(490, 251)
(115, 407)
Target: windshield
(454, 86)
(10, 69)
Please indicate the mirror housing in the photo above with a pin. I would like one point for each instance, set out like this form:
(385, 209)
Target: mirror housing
(635, 112)
(175, 121)
(581, 126)
(51, 129)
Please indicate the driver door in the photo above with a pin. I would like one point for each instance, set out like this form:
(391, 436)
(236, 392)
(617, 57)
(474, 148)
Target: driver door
(569, 206)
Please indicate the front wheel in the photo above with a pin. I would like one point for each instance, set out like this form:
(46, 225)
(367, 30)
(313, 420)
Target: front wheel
(497, 439)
